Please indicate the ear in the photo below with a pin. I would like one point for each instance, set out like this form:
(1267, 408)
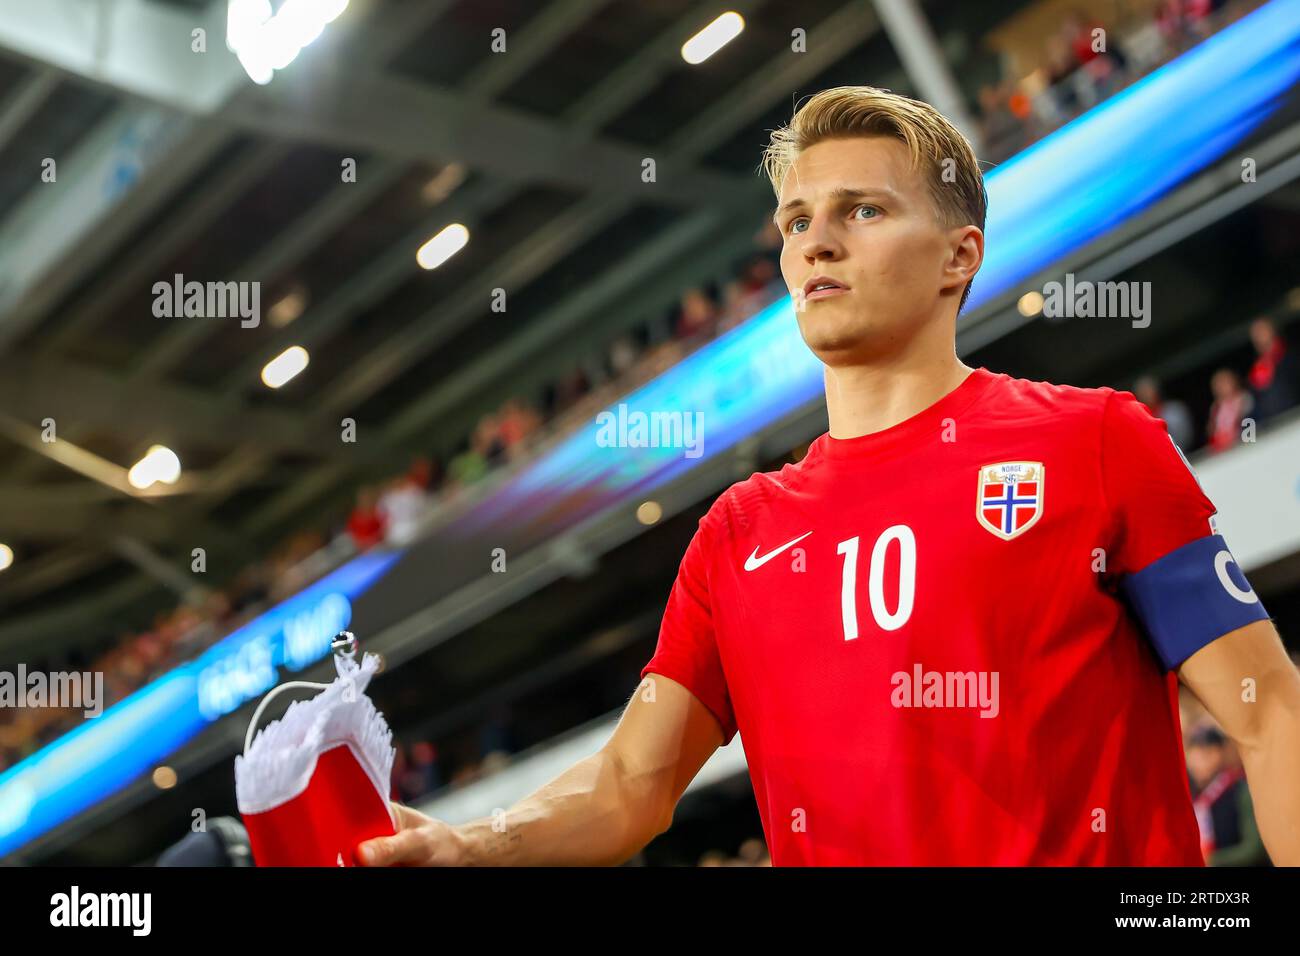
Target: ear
(966, 255)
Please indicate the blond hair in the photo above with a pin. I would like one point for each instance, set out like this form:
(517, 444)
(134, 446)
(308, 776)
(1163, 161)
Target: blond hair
(939, 151)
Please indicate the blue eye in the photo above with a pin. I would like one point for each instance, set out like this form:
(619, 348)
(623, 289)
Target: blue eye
(873, 209)
(795, 223)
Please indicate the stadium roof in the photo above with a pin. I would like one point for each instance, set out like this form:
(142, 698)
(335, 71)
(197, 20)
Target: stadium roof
(173, 162)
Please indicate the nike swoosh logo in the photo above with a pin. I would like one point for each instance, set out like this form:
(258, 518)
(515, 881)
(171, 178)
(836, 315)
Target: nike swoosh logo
(754, 562)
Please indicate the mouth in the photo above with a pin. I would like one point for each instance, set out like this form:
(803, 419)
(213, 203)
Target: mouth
(821, 287)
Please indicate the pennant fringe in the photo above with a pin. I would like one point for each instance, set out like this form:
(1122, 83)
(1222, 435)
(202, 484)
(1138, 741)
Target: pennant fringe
(282, 758)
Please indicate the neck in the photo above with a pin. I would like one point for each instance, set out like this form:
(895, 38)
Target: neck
(868, 398)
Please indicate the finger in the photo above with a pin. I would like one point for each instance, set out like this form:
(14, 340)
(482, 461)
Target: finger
(406, 817)
(404, 847)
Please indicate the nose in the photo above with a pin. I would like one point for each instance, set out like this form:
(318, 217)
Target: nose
(819, 241)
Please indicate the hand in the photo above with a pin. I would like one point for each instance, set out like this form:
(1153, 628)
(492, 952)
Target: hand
(419, 841)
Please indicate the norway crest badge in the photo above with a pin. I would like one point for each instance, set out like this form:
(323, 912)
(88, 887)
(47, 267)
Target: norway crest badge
(1010, 498)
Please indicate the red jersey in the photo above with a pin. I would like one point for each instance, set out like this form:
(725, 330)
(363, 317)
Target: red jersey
(920, 636)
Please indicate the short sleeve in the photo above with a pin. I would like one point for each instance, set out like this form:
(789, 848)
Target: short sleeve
(687, 651)
(1182, 582)
(1156, 503)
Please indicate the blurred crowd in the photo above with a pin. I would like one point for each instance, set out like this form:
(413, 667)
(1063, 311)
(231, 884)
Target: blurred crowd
(1269, 388)
(1078, 67)
(752, 852)
(392, 512)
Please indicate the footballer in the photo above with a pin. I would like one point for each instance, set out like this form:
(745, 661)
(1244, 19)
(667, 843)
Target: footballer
(953, 633)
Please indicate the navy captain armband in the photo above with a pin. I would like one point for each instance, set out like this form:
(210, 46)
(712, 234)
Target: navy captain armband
(1192, 596)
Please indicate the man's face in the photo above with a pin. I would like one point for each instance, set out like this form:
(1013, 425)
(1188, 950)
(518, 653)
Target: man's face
(867, 221)
(1203, 762)
(1261, 334)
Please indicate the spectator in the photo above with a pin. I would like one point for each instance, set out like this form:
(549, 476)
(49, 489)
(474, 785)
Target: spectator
(366, 523)
(518, 422)
(753, 852)
(759, 273)
(491, 444)
(997, 120)
(424, 764)
(1078, 33)
(401, 507)
(1224, 812)
(623, 353)
(570, 389)
(1172, 412)
(697, 314)
(747, 294)
(473, 463)
(416, 771)
(1232, 404)
(426, 472)
(1274, 378)
(1058, 100)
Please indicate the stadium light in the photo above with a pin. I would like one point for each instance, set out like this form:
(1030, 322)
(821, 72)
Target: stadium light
(713, 38)
(442, 247)
(164, 778)
(1031, 303)
(6, 556)
(265, 41)
(285, 366)
(158, 464)
(649, 512)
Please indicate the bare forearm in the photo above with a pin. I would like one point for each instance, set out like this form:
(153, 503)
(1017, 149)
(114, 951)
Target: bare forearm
(1273, 775)
(593, 814)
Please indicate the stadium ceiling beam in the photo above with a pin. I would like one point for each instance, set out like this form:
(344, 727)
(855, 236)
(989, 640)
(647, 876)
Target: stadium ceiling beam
(628, 83)
(35, 388)
(26, 520)
(53, 514)
(63, 625)
(135, 159)
(269, 264)
(185, 154)
(132, 161)
(144, 49)
(378, 42)
(145, 265)
(146, 559)
(375, 280)
(141, 48)
(381, 42)
(37, 574)
(25, 103)
(835, 36)
(828, 42)
(831, 39)
(527, 262)
(838, 34)
(170, 148)
(543, 34)
(390, 27)
(336, 107)
(120, 173)
(381, 276)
